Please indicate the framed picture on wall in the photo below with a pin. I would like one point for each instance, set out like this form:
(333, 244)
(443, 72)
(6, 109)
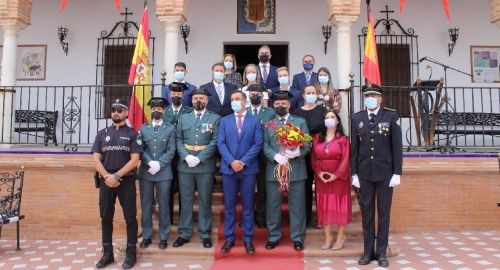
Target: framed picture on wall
(485, 67)
(31, 62)
(256, 17)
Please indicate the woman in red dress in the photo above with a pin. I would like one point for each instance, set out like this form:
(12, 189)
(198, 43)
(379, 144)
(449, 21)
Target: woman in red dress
(331, 164)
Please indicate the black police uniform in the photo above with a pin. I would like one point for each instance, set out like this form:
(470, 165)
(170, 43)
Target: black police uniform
(115, 146)
(377, 154)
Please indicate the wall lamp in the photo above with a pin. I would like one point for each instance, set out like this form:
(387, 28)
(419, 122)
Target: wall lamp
(185, 33)
(62, 32)
(453, 36)
(327, 33)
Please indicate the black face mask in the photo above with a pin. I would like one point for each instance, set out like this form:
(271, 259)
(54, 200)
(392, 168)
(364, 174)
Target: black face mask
(176, 101)
(255, 100)
(156, 115)
(199, 105)
(281, 111)
(264, 58)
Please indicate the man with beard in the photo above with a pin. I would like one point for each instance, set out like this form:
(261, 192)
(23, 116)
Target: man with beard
(155, 172)
(116, 153)
(171, 116)
(197, 147)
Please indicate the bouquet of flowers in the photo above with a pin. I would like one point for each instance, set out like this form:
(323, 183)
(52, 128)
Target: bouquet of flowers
(289, 137)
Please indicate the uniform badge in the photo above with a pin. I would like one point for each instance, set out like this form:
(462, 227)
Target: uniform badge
(107, 138)
(139, 142)
(207, 128)
(361, 124)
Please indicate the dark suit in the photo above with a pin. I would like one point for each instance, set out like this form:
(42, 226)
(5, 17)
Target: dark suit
(272, 77)
(377, 154)
(265, 115)
(246, 147)
(296, 102)
(186, 101)
(214, 104)
(300, 80)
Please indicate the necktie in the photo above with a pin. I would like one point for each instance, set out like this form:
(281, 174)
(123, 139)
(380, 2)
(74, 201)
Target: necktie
(264, 73)
(308, 78)
(239, 124)
(198, 117)
(282, 121)
(254, 111)
(156, 128)
(219, 92)
(372, 118)
(176, 112)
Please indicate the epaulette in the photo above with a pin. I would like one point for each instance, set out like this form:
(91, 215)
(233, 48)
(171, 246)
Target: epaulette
(389, 109)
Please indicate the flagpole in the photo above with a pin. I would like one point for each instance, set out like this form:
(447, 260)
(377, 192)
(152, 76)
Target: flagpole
(145, 3)
(367, 20)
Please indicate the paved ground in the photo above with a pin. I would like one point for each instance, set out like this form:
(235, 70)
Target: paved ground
(437, 250)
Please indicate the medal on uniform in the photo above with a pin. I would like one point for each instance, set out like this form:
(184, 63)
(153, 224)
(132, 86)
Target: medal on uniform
(107, 138)
(380, 128)
(360, 124)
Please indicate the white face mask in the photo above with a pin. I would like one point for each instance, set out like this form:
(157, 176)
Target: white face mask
(251, 76)
(330, 122)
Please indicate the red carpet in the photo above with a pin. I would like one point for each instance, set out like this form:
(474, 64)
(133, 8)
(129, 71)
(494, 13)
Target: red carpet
(282, 257)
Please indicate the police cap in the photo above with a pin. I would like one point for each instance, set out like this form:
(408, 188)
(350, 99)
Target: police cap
(178, 87)
(157, 102)
(200, 91)
(120, 103)
(282, 95)
(371, 89)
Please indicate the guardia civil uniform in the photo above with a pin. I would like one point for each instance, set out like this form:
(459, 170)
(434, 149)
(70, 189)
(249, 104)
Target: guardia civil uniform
(197, 136)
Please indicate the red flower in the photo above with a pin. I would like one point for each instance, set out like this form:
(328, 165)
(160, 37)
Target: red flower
(289, 124)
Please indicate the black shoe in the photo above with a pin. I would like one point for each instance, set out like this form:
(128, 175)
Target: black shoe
(297, 245)
(179, 242)
(207, 243)
(260, 224)
(366, 259)
(145, 243)
(227, 246)
(163, 244)
(107, 256)
(130, 257)
(249, 248)
(271, 245)
(382, 261)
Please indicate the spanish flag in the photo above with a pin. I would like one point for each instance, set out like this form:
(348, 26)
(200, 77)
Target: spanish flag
(140, 77)
(370, 62)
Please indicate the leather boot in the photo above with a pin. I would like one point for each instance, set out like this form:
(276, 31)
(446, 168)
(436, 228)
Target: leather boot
(107, 256)
(130, 257)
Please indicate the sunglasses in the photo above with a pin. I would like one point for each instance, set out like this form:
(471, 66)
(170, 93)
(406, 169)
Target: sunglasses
(118, 110)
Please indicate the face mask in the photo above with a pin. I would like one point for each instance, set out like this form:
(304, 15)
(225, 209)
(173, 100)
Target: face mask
(308, 66)
(311, 98)
(156, 115)
(218, 76)
(323, 79)
(228, 65)
(330, 123)
(283, 80)
(370, 103)
(179, 75)
(236, 105)
(255, 100)
(281, 111)
(264, 58)
(251, 77)
(199, 106)
(176, 101)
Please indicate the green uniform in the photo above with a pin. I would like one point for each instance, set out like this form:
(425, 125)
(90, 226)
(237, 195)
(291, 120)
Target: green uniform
(169, 115)
(202, 135)
(296, 192)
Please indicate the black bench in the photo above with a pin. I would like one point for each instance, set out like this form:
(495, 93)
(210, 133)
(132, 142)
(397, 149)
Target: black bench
(38, 121)
(11, 191)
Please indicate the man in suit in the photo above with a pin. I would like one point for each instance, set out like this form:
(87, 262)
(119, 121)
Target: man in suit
(220, 91)
(264, 114)
(308, 77)
(197, 146)
(268, 77)
(297, 99)
(155, 172)
(376, 167)
(171, 116)
(239, 141)
(298, 174)
(180, 72)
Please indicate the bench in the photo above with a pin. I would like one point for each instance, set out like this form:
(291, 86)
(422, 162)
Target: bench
(37, 121)
(11, 191)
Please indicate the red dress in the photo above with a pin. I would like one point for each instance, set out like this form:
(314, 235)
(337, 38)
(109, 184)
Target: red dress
(333, 199)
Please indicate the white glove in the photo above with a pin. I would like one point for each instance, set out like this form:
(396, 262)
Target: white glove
(395, 180)
(355, 181)
(155, 165)
(196, 161)
(190, 160)
(152, 171)
(282, 160)
(292, 153)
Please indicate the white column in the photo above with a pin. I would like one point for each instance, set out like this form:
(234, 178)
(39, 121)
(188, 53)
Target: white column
(8, 78)
(172, 36)
(343, 25)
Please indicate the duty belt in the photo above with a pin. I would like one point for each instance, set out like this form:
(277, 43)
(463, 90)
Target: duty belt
(194, 147)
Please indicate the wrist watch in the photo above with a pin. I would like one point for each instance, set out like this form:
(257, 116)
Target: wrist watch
(117, 176)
